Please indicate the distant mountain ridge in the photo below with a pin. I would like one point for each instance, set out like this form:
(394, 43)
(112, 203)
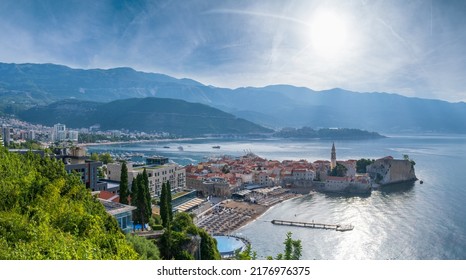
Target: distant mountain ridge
(275, 106)
(148, 114)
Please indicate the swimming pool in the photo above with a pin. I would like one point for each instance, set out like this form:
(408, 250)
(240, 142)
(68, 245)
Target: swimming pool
(227, 245)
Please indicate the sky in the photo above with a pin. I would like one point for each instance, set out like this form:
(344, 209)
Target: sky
(415, 48)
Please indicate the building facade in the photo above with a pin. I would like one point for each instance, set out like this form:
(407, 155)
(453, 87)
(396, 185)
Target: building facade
(73, 135)
(7, 135)
(75, 160)
(388, 171)
(157, 174)
(88, 172)
(121, 212)
(59, 132)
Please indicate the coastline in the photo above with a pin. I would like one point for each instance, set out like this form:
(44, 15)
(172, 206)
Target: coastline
(219, 222)
(267, 210)
(137, 141)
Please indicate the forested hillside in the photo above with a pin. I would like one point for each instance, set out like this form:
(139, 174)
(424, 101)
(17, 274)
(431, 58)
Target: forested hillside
(47, 214)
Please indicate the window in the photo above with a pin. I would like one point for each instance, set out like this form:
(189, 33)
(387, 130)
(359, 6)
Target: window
(125, 222)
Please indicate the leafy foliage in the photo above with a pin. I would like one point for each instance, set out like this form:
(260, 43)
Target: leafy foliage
(339, 170)
(166, 211)
(413, 163)
(246, 254)
(183, 240)
(146, 249)
(141, 199)
(29, 144)
(293, 249)
(105, 158)
(164, 206)
(362, 164)
(169, 201)
(46, 213)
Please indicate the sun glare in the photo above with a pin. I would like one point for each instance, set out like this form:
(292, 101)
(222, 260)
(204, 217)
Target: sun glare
(329, 34)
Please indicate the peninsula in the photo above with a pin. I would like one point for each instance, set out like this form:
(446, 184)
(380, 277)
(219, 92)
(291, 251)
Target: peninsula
(327, 133)
(254, 183)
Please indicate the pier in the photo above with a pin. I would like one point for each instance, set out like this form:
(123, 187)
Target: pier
(337, 227)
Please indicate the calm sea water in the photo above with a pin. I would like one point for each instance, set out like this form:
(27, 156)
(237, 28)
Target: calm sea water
(414, 221)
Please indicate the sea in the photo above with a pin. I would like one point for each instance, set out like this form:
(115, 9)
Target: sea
(406, 221)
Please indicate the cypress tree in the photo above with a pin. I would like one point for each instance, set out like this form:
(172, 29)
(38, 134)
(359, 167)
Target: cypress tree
(141, 200)
(147, 197)
(134, 200)
(134, 191)
(124, 192)
(169, 201)
(163, 206)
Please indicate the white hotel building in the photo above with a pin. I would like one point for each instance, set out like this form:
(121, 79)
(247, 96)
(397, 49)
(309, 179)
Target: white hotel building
(158, 174)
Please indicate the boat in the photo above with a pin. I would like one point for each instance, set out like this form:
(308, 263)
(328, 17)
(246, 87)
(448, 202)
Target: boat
(215, 147)
(166, 147)
(344, 227)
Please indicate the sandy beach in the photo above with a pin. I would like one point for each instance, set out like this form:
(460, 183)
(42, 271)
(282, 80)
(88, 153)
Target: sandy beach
(231, 215)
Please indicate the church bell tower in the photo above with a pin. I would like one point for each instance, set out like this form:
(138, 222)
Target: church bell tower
(333, 157)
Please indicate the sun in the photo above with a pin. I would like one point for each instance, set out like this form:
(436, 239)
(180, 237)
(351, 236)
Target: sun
(329, 34)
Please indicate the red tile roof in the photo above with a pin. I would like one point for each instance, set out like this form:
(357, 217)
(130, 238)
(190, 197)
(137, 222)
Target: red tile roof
(109, 196)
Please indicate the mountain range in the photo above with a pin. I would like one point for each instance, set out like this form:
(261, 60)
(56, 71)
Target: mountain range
(149, 114)
(23, 86)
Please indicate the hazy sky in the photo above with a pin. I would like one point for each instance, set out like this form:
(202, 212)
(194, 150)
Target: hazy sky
(415, 48)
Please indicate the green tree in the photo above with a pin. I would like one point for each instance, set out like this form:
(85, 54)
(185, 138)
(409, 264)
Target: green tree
(94, 156)
(181, 240)
(413, 163)
(142, 214)
(140, 200)
(297, 250)
(361, 165)
(47, 213)
(105, 158)
(166, 211)
(146, 249)
(246, 254)
(124, 192)
(339, 170)
(134, 200)
(147, 197)
(209, 249)
(293, 249)
(100, 173)
(169, 200)
(164, 206)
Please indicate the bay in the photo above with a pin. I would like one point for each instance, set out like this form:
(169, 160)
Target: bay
(407, 221)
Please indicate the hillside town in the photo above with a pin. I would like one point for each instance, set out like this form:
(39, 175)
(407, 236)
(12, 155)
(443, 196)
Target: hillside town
(18, 132)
